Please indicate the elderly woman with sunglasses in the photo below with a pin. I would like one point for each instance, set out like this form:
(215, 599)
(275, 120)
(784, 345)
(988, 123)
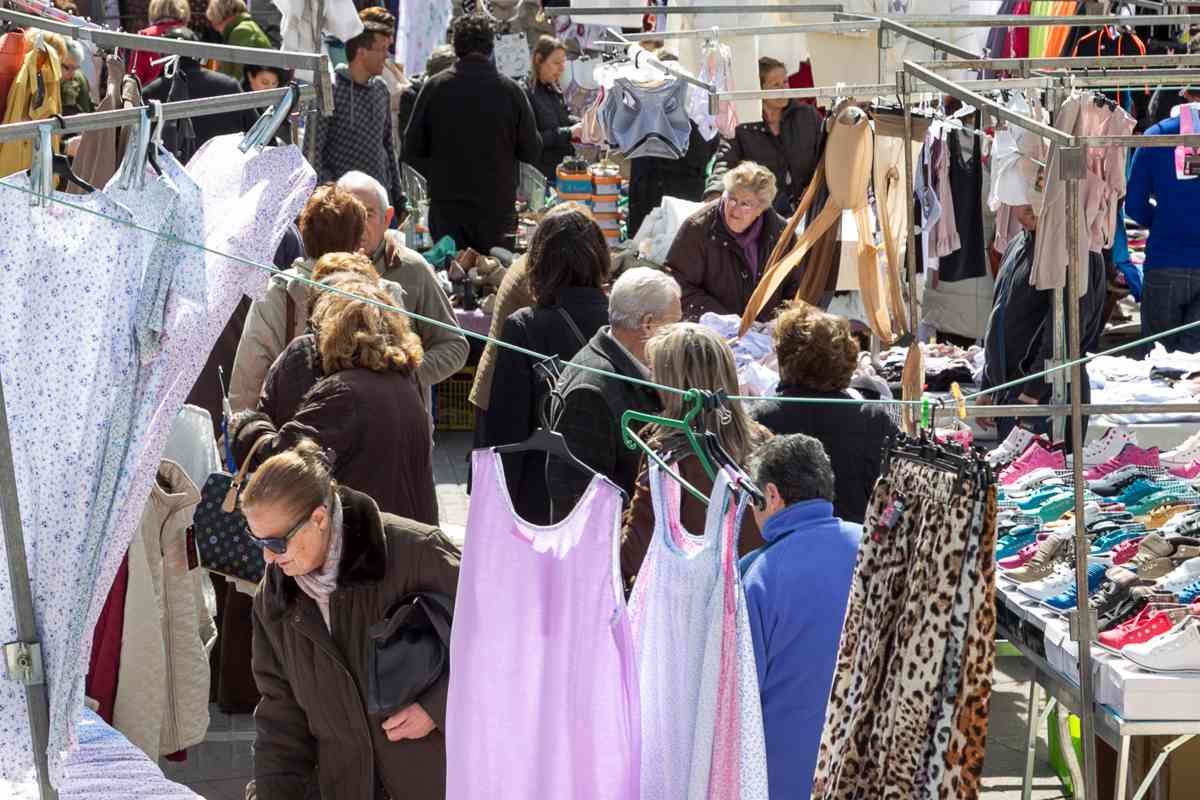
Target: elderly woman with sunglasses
(721, 251)
(336, 565)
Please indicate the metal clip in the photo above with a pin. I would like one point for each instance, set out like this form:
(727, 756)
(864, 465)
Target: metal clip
(1072, 163)
(23, 663)
(1073, 622)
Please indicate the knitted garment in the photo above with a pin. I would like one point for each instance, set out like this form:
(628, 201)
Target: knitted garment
(358, 135)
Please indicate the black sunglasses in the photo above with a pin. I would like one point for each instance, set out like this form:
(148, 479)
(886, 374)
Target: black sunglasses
(279, 544)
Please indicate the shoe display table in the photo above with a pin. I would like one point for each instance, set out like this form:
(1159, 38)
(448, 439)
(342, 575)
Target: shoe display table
(1130, 702)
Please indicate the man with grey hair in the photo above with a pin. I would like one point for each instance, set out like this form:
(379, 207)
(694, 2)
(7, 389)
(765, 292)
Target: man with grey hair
(445, 350)
(589, 413)
(797, 587)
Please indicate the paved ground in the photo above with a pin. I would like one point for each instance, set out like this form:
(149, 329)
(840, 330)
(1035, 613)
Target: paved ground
(219, 768)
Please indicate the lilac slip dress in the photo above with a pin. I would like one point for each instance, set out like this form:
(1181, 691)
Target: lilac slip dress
(543, 688)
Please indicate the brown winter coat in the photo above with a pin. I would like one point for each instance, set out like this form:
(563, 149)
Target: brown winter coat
(513, 295)
(712, 270)
(312, 724)
(373, 422)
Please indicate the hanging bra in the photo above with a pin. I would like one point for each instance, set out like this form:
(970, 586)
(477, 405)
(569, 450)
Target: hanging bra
(644, 121)
(716, 69)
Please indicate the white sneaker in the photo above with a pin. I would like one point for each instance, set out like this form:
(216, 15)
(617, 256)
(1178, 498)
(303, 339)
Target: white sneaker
(1180, 522)
(1183, 455)
(1117, 477)
(1055, 583)
(1175, 580)
(1175, 651)
(1018, 442)
(1035, 478)
(1107, 446)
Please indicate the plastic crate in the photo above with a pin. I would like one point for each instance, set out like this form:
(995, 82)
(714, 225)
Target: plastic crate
(452, 409)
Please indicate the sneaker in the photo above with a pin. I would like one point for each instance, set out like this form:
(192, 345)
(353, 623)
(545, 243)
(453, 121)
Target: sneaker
(1136, 491)
(1158, 556)
(1113, 591)
(1177, 651)
(1057, 506)
(1188, 471)
(1179, 578)
(1130, 455)
(1160, 516)
(1034, 478)
(1107, 446)
(1124, 552)
(1184, 524)
(1121, 612)
(1022, 556)
(1151, 623)
(1189, 593)
(1182, 456)
(1042, 563)
(1115, 481)
(1010, 546)
(1038, 498)
(1035, 457)
(1058, 581)
(1166, 497)
(1104, 545)
(1010, 449)
(1069, 597)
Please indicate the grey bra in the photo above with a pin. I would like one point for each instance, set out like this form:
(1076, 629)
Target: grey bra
(647, 121)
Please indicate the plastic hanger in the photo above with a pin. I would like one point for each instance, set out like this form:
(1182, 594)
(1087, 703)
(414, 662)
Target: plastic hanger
(47, 165)
(696, 398)
(263, 131)
(132, 171)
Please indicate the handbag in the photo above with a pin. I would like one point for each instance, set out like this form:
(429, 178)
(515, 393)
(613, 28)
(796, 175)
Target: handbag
(223, 542)
(407, 652)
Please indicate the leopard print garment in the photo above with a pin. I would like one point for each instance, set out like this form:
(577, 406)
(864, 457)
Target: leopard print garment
(904, 622)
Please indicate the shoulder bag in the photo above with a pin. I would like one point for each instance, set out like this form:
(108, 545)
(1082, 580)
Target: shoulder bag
(222, 539)
(407, 652)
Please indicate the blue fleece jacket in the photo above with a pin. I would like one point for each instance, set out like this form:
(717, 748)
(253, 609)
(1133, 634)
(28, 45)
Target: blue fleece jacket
(1174, 222)
(797, 586)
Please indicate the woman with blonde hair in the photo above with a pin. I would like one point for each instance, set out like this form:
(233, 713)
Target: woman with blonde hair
(164, 16)
(364, 406)
(336, 565)
(721, 251)
(689, 356)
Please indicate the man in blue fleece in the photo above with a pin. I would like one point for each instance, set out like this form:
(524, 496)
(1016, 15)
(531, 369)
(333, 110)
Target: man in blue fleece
(797, 586)
(1171, 287)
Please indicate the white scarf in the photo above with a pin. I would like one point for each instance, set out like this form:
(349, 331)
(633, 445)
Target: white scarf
(320, 583)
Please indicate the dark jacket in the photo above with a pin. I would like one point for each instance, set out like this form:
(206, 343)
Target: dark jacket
(470, 128)
(792, 155)
(589, 418)
(713, 271)
(853, 436)
(374, 423)
(638, 526)
(313, 715)
(519, 394)
(193, 82)
(554, 123)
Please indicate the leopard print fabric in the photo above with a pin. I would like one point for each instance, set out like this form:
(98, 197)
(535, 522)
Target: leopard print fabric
(894, 705)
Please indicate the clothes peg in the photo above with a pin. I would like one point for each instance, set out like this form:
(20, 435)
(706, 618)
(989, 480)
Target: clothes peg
(925, 413)
(956, 393)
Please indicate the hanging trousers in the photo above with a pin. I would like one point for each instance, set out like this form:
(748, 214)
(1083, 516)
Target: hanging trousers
(907, 714)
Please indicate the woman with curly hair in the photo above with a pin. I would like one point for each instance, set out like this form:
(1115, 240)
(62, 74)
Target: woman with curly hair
(364, 406)
(817, 358)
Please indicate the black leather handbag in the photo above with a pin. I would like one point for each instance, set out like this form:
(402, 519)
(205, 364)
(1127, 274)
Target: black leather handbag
(407, 652)
(223, 542)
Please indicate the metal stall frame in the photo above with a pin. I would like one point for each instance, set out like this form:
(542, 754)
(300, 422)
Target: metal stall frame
(1073, 169)
(317, 62)
(23, 657)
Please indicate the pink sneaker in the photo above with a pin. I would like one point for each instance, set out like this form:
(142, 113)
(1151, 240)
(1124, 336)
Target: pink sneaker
(1125, 551)
(1131, 455)
(1034, 457)
(1189, 472)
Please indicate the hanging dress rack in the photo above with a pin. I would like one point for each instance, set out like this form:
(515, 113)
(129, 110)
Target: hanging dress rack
(317, 62)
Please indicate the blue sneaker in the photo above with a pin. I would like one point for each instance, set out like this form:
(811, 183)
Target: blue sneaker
(1110, 540)
(1069, 599)
(1041, 497)
(1136, 491)
(1189, 593)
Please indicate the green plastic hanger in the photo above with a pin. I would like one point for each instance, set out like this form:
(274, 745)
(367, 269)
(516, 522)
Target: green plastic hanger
(634, 442)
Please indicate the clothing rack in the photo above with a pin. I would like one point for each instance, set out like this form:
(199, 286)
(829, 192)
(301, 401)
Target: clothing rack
(655, 62)
(654, 11)
(1073, 169)
(181, 109)
(317, 62)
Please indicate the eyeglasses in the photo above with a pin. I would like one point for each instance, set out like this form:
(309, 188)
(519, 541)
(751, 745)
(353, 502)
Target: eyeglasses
(742, 205)
(279, 544)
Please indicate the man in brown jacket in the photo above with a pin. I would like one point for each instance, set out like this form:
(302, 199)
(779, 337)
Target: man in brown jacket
(445, 349)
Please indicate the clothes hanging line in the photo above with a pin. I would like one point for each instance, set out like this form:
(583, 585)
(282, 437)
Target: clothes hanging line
(317, 62)
(180, 109)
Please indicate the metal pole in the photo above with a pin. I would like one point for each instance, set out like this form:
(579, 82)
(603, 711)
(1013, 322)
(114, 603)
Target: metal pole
(641, 11)
(1084, 628)
(23, 659)
(914, 303)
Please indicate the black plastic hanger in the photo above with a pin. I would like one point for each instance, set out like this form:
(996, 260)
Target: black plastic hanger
(551, 443)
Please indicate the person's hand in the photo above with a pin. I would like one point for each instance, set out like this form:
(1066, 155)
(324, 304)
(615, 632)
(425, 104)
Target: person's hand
(577, 132)
(987, 423)
(408, 723)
